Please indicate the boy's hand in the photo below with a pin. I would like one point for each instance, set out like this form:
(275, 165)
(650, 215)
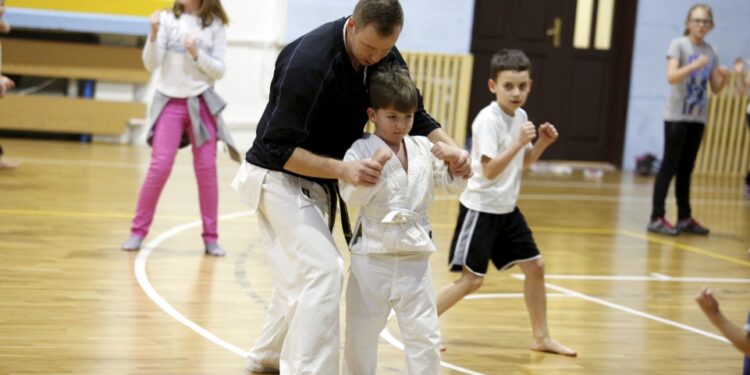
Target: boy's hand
(527, 133)
(457, 159)
(707, 302)
(382, 155)
(445, 152)
(362, 172)
(547, 133)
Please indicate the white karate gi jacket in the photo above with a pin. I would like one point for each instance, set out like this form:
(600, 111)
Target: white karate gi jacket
(393, 213)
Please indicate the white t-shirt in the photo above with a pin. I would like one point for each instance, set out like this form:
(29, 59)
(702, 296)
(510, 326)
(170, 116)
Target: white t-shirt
(493, 131)
(181, 76)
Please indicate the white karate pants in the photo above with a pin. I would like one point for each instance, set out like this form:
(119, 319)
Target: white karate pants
(377, 284)
(301, 332)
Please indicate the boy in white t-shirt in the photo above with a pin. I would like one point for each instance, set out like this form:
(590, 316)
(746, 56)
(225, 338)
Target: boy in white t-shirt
(490, 227)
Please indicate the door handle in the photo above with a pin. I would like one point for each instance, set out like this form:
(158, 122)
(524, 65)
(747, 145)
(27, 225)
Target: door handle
(555, 32)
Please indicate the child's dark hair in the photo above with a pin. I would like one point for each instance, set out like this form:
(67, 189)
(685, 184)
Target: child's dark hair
(509, 59)
(391, 87)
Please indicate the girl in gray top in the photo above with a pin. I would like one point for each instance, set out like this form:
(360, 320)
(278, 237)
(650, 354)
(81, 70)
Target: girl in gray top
(692, 64)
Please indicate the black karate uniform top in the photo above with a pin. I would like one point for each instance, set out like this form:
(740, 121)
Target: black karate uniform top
(318, 101)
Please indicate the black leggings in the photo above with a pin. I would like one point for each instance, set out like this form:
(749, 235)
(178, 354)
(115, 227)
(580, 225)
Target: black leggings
(681, 143)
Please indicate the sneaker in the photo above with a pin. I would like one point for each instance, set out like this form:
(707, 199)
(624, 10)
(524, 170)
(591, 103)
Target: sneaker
(214, 249)
(660, 225)
(133, 243)
(257, 368)
(691, 226)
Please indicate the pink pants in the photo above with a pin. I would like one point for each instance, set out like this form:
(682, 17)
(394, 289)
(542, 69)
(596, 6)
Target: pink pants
(173, 121)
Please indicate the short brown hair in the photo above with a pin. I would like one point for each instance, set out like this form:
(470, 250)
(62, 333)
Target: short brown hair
(385, 14)
(207, 12)
(391, 87)
(509, 59)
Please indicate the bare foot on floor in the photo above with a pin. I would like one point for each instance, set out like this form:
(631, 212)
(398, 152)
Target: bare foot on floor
(4, 164)
(550, 345)
(442, 348)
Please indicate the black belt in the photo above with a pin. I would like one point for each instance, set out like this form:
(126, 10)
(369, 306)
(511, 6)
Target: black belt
(332, 187)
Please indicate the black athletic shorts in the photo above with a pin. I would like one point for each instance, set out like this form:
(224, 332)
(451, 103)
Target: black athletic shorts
(480, 237)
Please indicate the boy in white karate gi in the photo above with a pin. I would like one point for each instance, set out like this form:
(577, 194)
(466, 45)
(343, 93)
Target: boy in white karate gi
(392, 242)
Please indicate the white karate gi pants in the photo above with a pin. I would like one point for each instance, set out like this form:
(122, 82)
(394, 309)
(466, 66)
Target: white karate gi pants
(377, 284)
(301, 332)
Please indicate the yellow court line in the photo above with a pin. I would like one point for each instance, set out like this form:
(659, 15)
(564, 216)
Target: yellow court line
(692, 249)
(647, 238)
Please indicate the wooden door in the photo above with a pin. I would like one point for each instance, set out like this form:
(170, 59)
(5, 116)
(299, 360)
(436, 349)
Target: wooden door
(580, 78)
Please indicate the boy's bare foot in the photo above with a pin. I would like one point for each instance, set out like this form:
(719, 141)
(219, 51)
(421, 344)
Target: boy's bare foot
(442, 348)
(7, 165)
(550, 345)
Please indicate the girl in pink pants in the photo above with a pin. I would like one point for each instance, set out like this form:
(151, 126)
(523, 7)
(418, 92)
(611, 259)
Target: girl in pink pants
(188, 43)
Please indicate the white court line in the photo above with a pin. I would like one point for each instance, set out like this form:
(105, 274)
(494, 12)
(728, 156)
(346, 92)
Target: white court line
(508, 295)
(653, 277)
(388, 337)
(143, 281)
(631, 311)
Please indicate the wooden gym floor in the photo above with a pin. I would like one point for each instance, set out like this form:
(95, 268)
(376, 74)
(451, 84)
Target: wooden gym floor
(71, 302)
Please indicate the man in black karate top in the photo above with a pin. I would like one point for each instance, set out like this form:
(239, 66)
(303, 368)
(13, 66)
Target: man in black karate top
(317, 108)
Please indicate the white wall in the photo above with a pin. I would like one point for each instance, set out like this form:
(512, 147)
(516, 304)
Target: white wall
(658, 22)
(255, 36)
(429, 25)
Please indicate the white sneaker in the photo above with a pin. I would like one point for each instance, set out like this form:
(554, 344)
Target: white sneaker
(133, 243)
(214, 249)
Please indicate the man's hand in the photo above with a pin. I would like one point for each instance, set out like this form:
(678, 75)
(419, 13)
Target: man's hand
(362, 172)
(457, 159)
(547, 133)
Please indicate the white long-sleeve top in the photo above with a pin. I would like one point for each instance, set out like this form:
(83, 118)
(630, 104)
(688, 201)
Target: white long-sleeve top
(181, 76)
(393, 213)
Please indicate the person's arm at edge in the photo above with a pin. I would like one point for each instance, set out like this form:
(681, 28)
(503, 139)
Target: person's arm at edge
(736, 335)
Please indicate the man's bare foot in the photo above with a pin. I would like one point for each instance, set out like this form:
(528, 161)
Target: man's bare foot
(7, 165)
(550, 345)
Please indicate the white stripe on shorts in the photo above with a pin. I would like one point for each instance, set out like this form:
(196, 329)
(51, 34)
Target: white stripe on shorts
(461, 251)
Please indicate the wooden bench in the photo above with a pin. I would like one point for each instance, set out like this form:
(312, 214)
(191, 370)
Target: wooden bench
(70, 61)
